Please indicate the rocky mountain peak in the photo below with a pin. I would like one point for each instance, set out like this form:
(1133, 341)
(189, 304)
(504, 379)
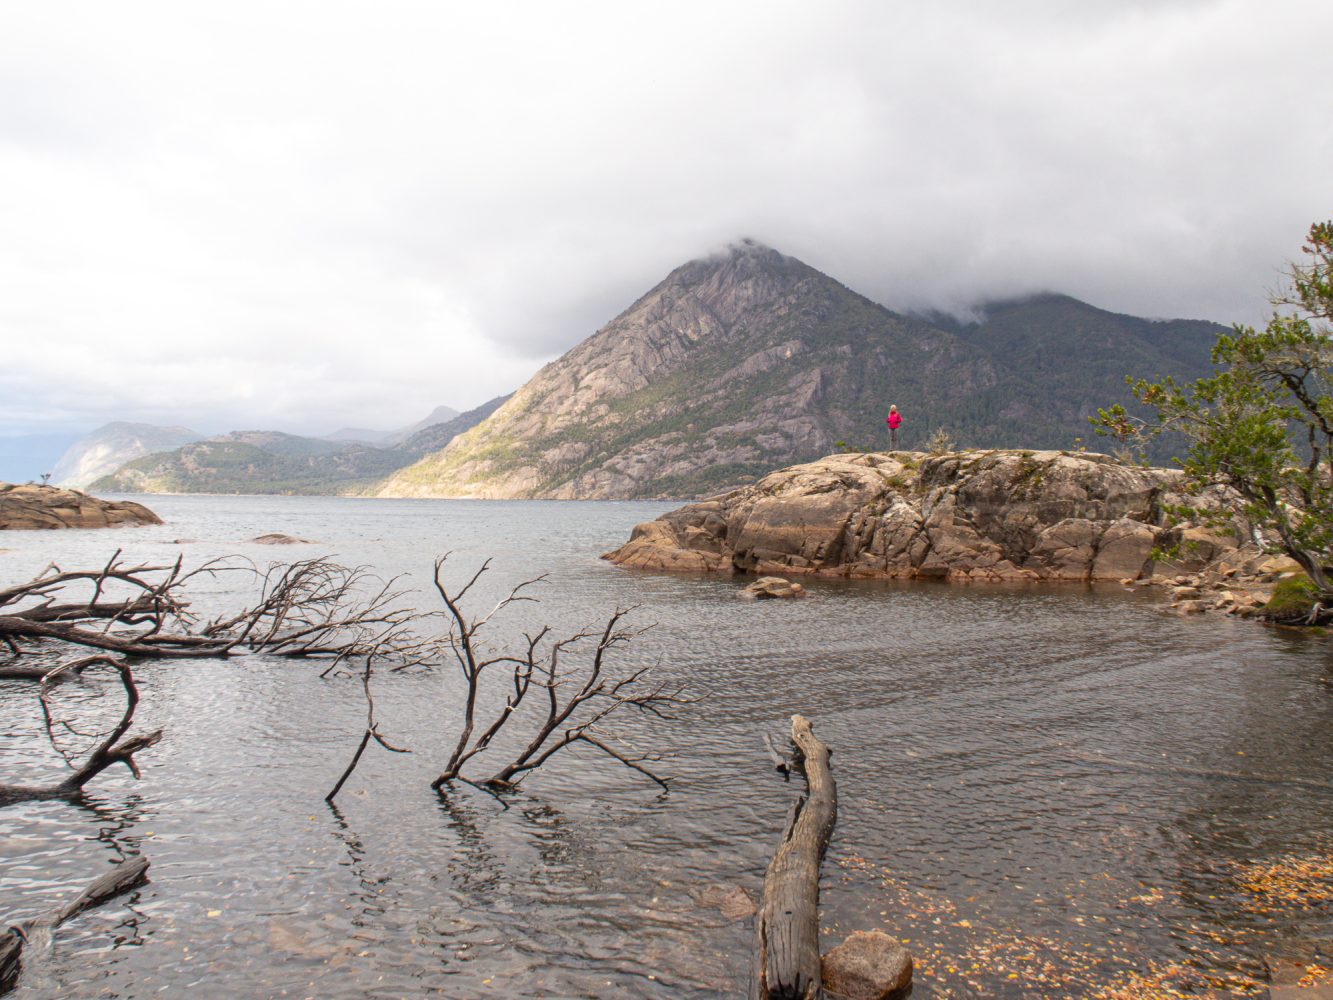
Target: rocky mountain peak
(715, 292)
(748, 359)
(751, 253)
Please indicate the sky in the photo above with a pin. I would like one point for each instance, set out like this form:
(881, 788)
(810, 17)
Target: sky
(302, 216)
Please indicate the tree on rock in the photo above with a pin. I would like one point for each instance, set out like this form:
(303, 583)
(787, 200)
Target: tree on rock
(1262, 423)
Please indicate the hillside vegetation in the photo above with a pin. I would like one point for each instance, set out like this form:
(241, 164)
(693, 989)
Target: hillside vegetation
(267, 462)
(257, 462)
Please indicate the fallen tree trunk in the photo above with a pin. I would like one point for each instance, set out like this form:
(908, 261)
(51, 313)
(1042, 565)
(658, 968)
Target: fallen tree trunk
(35, 934)
(787, 926)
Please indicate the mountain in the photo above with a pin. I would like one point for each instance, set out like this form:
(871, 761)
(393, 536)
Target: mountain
(361, 435)
(1068, 347)
(265, 462)
(391, 439)
(439, 415)
(750, 360)
(435, 436)
(106, 449)
(257, 462)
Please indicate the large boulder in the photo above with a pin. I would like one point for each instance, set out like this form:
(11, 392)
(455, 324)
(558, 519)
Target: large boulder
(971, 515)
(869, 965)
(30, 507)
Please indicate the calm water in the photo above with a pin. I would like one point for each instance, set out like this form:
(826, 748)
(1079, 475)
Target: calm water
(1045, 791)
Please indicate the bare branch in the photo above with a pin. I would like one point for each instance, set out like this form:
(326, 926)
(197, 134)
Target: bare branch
(109, 750)
(371, 733)
(313, 608)
(575, 702)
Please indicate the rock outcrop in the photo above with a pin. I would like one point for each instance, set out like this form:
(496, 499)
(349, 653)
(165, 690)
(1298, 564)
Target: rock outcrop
(971, 515)
(35, 507)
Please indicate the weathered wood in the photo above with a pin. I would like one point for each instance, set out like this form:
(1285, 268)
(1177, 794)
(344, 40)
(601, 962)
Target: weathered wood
(788, 965)
(35, 934)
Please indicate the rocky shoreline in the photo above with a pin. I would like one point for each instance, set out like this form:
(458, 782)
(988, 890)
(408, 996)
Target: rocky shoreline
(31, 507)
(990, 516)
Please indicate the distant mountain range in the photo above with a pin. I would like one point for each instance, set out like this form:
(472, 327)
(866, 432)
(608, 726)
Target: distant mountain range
(106, 449)
(434, 436)
(749, 360)
(257, 462)
(391, 439)
(274, 462)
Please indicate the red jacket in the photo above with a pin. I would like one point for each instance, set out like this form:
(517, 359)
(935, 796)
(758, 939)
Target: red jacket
(895, 420)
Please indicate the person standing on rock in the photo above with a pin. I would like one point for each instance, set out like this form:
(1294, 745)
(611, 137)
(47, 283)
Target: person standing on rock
(895, 420)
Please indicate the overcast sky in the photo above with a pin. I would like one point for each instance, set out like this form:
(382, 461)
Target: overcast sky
(306, 215)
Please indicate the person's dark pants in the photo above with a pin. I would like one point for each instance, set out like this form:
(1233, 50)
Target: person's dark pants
(893, 438)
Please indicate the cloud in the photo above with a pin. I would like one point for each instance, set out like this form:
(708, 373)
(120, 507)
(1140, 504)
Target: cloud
(309, 215)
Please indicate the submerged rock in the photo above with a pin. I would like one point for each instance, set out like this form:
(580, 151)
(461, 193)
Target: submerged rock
(971, 515)
(277, 538)
(732, 902)
(33, 507)
(772, 586)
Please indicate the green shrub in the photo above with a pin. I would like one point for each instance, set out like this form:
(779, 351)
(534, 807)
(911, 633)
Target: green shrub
(1293, 599)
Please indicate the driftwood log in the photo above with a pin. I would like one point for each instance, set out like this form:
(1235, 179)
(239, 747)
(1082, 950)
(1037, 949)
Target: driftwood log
(788, 922)
(35, 935)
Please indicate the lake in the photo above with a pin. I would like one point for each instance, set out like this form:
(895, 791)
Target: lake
(1046, 791)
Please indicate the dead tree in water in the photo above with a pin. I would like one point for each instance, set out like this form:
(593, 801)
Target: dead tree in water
(372, 732)
(310, 608)
(37, 932)
(787, 926)
(575, 701)
(314, 608)
(108, 751)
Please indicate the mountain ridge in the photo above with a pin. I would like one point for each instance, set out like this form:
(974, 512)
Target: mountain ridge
(748, 360)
